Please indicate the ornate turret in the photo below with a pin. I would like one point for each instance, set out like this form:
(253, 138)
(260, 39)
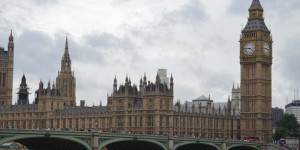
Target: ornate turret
(49, 85)
(229, 105)
(6, 72)
(66, 61)
(23, 92)
(65, 81)
(145, 80)
(171, 83)
(141, 83)
(41, 85)
(126, 80)
(115, 84)
(11, 42)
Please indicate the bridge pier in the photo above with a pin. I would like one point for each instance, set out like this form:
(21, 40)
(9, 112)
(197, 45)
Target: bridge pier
(95, 141)
(170, 143)
(223, 145)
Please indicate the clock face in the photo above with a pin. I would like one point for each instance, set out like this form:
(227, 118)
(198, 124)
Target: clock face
(249, 48)
(266, 49)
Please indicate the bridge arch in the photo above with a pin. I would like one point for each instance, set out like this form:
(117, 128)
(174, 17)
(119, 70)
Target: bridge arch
(244, 147)
(23, 138)
(108, 142)
(182, 145)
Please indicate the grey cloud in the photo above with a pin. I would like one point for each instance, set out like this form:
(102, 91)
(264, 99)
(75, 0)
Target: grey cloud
(190, 13)
(289, 60)
(106, 40)
(238, 7)
(44, 2)
(107, 45)
(286, 6)
(277, 7)
(36, 52)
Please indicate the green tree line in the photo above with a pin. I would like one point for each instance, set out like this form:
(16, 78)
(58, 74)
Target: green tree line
(288, 126)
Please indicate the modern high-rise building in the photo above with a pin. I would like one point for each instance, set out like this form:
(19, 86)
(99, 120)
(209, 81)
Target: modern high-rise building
(277, 114)
(256, 75)
(293, 108)
(164, 79)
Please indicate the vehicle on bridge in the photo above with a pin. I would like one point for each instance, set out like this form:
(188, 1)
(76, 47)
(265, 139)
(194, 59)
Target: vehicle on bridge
(251, 138)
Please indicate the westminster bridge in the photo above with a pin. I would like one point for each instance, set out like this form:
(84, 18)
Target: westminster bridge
(64, 140)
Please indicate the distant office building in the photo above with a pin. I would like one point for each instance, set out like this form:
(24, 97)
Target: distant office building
(293, 108)
(164, 79)
(277, 114)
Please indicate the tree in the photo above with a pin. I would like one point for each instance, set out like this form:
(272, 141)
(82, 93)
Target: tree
(287, 126)
(280, 133)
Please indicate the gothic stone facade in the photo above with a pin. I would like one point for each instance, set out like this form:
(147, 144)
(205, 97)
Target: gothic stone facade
(6, 72)
(256, 68)
(149, 108)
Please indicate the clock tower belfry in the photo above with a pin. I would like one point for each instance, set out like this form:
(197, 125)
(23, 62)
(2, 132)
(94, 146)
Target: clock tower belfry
(256, 75)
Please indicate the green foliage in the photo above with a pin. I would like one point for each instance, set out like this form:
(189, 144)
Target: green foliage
(287, 126)
(280, 133)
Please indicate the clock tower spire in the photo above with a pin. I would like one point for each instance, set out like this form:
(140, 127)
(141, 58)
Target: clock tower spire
(256, 75)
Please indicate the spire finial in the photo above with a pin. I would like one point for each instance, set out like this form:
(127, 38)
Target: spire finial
(49, 85)
(145, 78)
(66, 45)
(115, 80)
(126, 79)
(11, 38)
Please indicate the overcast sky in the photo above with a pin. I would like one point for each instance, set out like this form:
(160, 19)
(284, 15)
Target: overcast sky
(195, 40)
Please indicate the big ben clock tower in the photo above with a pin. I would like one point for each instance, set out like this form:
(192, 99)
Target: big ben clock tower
(256, 75)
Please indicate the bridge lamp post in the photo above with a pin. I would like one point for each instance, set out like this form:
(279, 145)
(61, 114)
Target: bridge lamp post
(33, 124)
(96, 124)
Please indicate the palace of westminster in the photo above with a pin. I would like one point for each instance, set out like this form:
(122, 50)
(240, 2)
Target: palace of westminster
(150, 108)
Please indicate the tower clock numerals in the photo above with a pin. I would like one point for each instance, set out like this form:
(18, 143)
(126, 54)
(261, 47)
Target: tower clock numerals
(266, 49)
(249, 48)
